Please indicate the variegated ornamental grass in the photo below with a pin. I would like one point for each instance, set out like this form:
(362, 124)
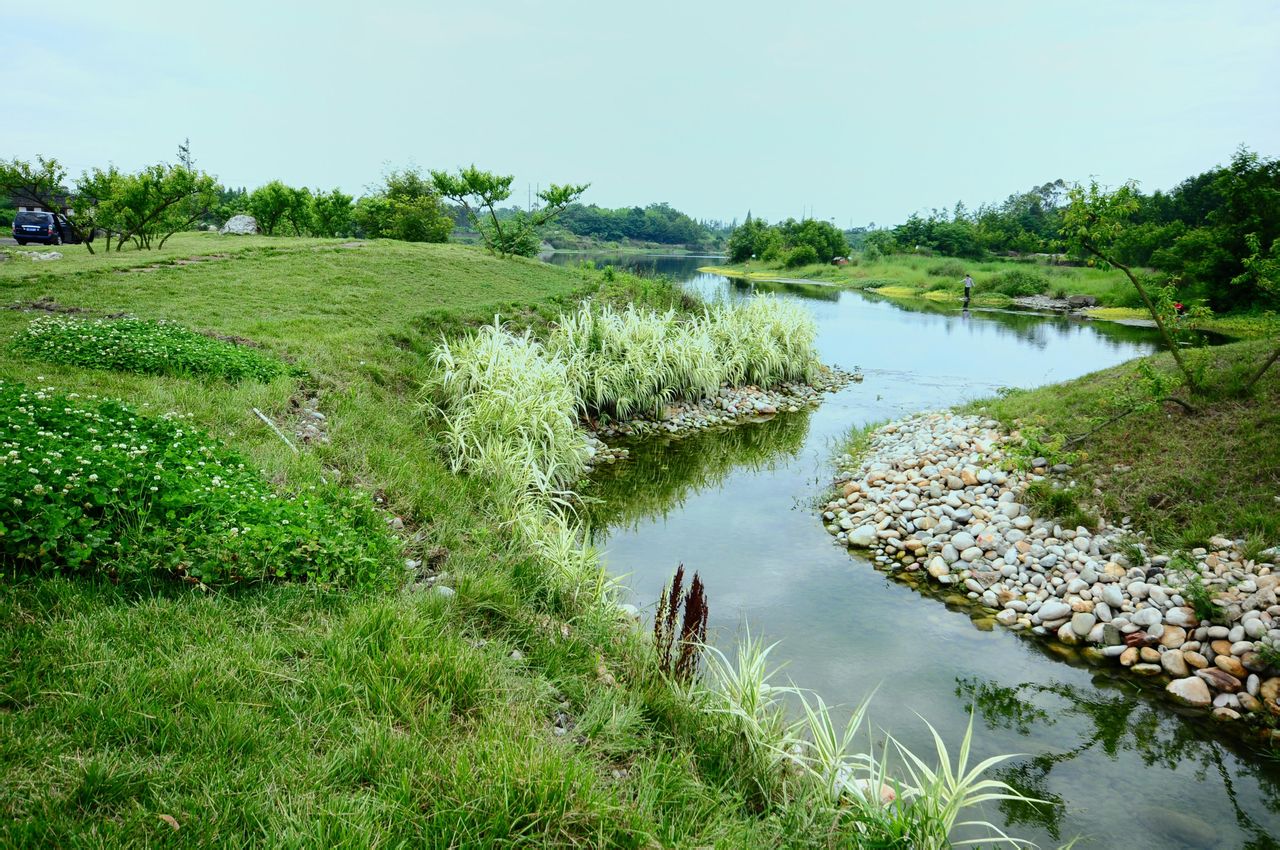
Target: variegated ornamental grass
(142, 346)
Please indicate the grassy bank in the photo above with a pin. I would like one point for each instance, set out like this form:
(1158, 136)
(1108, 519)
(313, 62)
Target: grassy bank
(294, 714)
(460, 699)
(1183, 477)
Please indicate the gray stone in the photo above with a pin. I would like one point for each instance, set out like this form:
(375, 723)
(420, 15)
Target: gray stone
(1054, 610)
(863, 536)
(240, 225)
(1082, 622)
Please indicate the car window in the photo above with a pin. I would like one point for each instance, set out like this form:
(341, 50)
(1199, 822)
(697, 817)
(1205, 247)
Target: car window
(32, 218)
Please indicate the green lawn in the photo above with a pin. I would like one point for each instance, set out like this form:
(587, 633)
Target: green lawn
(289, 715)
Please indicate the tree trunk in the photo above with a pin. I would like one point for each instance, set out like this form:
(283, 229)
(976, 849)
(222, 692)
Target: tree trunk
(1270, 361)
(1155, 315)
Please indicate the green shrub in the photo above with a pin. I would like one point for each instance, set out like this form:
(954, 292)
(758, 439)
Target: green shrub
(1015, 283)
(146, 347)
(88, 485)
(950, 268)
(801, 255)
(1058, 503)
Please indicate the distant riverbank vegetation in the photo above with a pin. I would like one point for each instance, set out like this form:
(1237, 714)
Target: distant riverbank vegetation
(143, 209)
(1212, 241)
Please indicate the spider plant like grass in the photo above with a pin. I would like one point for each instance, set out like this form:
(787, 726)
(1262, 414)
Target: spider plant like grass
(635, 361)
(921, 812)
(509, 413)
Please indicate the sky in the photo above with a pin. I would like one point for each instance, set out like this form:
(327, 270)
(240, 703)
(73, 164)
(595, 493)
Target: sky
(848, 111)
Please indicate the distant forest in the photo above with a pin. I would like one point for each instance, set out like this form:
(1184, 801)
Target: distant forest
(1211, 232)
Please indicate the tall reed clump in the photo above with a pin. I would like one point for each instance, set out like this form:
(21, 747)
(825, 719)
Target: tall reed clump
(510, 414)
(635, 361)
(764, 341)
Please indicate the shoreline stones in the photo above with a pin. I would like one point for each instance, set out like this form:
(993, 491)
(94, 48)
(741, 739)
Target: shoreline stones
(934, 495)
(733, 405)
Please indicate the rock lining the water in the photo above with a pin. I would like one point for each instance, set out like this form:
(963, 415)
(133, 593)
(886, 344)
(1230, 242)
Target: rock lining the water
(936, 493)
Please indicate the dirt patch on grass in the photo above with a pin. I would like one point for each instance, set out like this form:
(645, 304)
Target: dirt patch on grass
(46, 304)
(184, 261)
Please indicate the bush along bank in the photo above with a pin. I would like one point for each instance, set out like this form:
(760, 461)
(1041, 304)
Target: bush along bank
(940, 494)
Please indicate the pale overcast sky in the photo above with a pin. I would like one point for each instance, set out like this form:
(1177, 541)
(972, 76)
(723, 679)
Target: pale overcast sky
(855, 111)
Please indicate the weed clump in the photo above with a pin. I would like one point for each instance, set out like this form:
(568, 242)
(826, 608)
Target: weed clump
(679, 646)
(89, 486)
(144, 347)
(1060, 503)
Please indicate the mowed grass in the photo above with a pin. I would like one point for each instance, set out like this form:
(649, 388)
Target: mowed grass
(1183, 478)
(290, 715)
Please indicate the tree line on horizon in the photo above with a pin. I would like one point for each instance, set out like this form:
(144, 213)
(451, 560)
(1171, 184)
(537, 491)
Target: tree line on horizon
(1215, 235)
(146, 207)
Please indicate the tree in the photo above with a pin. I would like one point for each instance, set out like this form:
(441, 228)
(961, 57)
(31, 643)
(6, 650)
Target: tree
(331, 213)
(405, 207)
(43, 185)
(1093, 223)
(480, 192)
(276, 204)
(150, 205)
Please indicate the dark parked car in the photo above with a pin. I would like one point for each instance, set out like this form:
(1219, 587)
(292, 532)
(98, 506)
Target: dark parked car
(43, 227)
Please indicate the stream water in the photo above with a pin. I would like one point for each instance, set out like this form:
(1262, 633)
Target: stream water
(1119, 767)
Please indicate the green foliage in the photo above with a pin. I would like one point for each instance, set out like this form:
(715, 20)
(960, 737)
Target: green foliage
(1060, 503)
(145, 347)
(331, 213)
(802, 255)
(510, 414)
(88, 485)
(1194, 590)
(632, 361)
(1015, 283)
(480, 192)
(406, 207)
(148, 206)
(275, 206)
(819, 240)
(658, 223)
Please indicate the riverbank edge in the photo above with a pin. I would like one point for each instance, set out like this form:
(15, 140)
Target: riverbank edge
(1244, 326)
(730, 407)
(1202, 663)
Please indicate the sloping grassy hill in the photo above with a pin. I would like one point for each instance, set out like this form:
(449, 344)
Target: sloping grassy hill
(151, 713)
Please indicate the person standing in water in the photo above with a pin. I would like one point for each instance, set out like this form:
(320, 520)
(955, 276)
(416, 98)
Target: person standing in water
(968, 288)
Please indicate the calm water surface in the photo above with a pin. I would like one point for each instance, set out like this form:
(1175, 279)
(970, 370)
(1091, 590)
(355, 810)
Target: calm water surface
(1121, 769)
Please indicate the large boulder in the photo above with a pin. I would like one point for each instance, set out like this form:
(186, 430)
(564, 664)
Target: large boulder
(1078, 301)
(240, 225)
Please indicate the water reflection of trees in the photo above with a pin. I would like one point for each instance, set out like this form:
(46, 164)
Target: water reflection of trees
(1120, 721)
(810, 291)
(663, 472)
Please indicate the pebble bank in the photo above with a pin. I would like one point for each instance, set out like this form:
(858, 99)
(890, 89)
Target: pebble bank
(937, 494)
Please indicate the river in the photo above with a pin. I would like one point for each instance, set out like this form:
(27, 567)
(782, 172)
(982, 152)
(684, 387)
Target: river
(1119, 766)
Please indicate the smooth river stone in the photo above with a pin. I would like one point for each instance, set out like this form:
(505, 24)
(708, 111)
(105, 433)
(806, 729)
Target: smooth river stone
(1146, 617)
(1183, 617)
(1054, 610)
(1173, 663)
(1113, 596)
(1082, 623)
(1173, 637)
(1220, 679)
(1190, 691)
(1229, 664)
